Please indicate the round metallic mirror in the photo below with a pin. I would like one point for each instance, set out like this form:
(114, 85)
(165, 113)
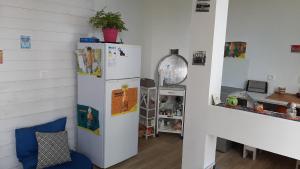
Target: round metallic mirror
(173, 69)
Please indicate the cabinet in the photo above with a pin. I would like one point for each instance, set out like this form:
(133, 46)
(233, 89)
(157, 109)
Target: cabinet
(148, 110)
(171, 109)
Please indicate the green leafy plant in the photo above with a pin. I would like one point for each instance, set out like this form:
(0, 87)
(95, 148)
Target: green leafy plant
(104, 20)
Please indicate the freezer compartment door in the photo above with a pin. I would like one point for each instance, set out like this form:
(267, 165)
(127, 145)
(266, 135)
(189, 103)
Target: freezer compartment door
(121, 120)
(122, 61)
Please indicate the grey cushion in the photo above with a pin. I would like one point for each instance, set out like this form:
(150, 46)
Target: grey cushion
(53, 149)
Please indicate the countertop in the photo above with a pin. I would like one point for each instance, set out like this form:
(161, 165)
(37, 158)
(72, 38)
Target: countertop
(258, 97)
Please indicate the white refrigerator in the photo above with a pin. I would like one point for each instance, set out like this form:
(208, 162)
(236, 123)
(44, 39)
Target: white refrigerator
(108, 101)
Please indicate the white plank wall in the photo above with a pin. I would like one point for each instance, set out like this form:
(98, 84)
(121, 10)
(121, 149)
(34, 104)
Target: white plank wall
(38, 85)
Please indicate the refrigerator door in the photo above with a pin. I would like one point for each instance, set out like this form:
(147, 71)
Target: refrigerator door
(122, 61)
(90, 93)
(121, 120)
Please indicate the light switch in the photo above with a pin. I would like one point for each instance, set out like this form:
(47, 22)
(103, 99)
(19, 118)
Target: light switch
(43, 74)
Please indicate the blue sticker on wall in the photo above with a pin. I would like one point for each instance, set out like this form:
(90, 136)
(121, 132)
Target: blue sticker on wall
(25, 42)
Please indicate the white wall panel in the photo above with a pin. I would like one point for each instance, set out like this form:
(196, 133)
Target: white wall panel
(14, 12)
(35, 107)
(30, 24)
(17, 86)
(29, 55)
(40, 65)
(37, 85)
(35, 75)
(7, 99)
(50, 6)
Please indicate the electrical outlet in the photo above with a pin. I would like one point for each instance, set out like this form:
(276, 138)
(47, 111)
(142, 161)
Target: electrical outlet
(43, 74)
(270, 78)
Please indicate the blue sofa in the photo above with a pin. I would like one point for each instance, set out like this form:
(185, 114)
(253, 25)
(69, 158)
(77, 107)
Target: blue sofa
(27, 147)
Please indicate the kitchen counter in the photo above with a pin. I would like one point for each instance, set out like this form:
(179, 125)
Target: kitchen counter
(266, 112)
(258, 97)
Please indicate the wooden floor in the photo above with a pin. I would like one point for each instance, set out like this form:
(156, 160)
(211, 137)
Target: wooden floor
(265, 160)
(165, 152)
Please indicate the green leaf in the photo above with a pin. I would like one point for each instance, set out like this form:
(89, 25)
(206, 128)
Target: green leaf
(104, 19)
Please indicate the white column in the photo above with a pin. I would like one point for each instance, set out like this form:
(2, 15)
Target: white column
(208, 30)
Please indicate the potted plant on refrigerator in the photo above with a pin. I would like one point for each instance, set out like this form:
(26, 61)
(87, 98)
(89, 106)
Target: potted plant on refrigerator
(110, 22)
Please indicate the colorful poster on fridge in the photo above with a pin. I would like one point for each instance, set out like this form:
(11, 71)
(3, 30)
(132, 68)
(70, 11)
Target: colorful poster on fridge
(89, 62)
(124, 101)
(88, 119)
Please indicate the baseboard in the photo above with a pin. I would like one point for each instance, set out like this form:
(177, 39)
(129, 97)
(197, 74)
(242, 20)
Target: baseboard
(211, 166)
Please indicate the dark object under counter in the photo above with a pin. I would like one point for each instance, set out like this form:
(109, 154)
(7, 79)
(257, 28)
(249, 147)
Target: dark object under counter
(223, 145)
(274, 107)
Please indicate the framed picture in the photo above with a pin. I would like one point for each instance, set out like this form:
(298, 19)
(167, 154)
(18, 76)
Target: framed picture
(25, 42)
(295, 48)
(235, 50)
(202, 6)
(199, 58)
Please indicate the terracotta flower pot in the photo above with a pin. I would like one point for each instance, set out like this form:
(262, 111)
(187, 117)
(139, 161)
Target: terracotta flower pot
(110, 35)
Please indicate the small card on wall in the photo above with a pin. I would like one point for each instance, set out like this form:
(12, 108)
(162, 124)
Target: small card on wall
(199, 58)
(202, 6)
(25, 42)
(1, 56)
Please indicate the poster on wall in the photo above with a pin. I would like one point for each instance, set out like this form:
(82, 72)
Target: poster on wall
(235, 50)
(295, 48)
(88, 119)
(202, 6)
(199, 58)
(25, 42)
(89, 62)
(1, 56)
(124, 101)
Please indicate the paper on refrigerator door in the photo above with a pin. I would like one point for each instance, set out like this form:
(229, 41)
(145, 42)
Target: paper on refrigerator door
(112, 58)
(124, 101)
(88, 119)
(89, 62)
